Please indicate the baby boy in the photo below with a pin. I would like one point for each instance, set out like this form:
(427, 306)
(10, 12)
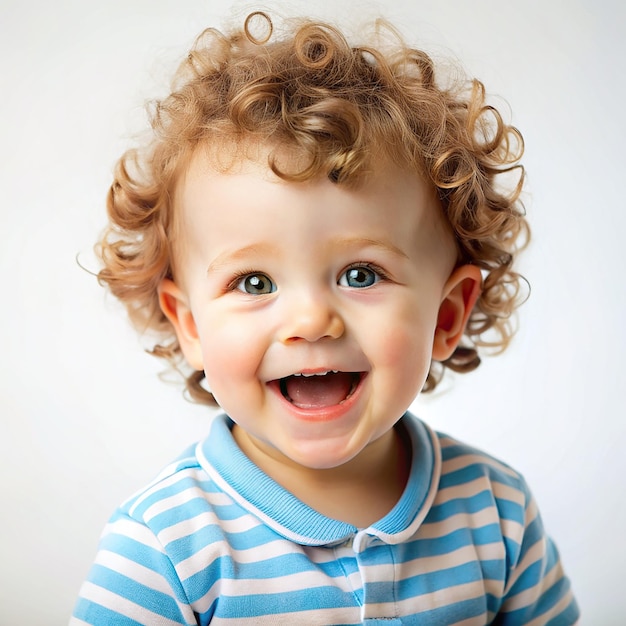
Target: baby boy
(317, 230)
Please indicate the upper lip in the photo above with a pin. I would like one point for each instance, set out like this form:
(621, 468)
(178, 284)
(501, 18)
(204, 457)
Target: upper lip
(316, 371)
(309, 362)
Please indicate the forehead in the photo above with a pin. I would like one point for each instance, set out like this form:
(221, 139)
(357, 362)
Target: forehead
(233, 194)
(227, 163)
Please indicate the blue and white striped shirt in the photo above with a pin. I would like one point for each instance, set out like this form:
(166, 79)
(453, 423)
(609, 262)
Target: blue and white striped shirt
(215, 540)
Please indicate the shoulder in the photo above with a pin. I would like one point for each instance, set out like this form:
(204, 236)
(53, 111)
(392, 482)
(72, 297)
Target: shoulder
(475, 490)
(167, 545)
(178, 482)
(462, 465)
(182, 501)
(462, 471)
(183, 488)
(483, 501)
(144, 526)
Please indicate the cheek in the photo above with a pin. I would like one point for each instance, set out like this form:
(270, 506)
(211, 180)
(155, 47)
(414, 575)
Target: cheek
(231, 352)
(404, 351)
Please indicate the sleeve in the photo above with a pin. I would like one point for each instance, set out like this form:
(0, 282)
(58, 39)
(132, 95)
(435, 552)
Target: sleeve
(132, 581)
(537, 591)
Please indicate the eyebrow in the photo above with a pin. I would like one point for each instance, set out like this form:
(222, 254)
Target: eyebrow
(265, 250)
(366, 242)
(241, 254)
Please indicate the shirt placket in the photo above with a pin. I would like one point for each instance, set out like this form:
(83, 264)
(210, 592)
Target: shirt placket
(376, 564)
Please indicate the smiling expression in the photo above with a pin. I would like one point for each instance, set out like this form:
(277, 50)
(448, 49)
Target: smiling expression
(313, 308)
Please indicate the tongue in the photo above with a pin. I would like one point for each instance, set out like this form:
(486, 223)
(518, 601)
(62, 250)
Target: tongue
(313, 392)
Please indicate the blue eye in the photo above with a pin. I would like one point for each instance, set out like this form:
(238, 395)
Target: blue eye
(359, 277)
(256, 284)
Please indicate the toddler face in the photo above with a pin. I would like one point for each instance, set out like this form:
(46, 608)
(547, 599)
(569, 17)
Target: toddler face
(312, 308)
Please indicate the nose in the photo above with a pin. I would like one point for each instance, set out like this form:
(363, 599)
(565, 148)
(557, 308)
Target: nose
(311, 318)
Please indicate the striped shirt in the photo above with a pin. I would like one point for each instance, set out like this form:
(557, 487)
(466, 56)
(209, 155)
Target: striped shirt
(214, 540)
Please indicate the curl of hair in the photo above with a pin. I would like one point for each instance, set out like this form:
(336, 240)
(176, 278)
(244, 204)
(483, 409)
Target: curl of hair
(341, 108)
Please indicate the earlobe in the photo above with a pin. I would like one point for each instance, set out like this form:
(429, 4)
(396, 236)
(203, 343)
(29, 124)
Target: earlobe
(460, 293)
(174, 305)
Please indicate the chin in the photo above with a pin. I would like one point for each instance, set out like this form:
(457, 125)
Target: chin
(322, 456)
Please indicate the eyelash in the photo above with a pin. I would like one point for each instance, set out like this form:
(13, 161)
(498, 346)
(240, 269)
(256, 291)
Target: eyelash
(237, 278)
(370, 266)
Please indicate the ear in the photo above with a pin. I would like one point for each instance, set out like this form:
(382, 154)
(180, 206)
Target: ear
(459, 297)
(176, 308)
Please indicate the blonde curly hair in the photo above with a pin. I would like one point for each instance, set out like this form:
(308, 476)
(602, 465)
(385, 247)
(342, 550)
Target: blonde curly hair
(339, 106)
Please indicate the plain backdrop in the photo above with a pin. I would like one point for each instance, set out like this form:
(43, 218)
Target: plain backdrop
(86, 419)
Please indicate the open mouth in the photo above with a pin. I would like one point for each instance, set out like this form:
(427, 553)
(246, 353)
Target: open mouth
(316, 391)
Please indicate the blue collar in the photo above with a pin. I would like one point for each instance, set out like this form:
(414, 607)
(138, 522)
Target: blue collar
(288, 516)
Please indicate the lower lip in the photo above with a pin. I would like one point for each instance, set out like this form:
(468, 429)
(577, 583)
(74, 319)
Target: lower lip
(321, 414)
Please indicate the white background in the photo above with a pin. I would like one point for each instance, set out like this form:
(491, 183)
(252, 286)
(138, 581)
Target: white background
(85, 419)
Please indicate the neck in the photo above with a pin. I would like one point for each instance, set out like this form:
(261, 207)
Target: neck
(359, 492)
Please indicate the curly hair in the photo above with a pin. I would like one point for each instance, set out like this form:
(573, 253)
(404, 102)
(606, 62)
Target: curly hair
(339, 106)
